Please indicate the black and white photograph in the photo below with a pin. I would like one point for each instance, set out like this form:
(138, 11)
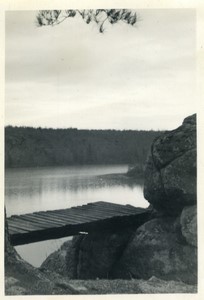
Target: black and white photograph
(100, 151)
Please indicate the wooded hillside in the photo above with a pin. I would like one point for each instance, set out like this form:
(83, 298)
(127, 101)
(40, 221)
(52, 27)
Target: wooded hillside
(35, 147)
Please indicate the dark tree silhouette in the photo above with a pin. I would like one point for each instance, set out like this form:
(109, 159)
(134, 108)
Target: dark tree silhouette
(32, 147)
(98, 16)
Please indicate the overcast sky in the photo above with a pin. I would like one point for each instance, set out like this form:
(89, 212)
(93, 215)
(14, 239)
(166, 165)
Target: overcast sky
(70, 75)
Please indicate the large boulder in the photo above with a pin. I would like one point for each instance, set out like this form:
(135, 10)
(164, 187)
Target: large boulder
(170, 173)
(98, 253)
(158, 249)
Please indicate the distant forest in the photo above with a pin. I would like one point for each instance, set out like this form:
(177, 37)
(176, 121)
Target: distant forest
(37, 147)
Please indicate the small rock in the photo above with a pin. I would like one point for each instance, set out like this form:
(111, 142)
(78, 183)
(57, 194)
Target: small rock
(157, 286)
(78, 288)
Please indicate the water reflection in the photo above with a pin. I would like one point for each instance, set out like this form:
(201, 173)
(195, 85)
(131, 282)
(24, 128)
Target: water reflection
(29, 190)
(32, 181)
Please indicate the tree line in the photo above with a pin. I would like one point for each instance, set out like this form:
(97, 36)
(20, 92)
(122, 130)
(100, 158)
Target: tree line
(37, 147)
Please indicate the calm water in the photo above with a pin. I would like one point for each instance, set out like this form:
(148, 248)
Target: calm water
(35, 189)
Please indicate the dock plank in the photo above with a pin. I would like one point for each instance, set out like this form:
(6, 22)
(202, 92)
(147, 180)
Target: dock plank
(52, 218)
(77, 216)
(83, 215)
(15, 229)
(24, 225)
(40, 222)
(70, 218)
(108, 210)
(118, 207)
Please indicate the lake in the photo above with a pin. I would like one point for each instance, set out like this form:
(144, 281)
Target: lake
(29, 190)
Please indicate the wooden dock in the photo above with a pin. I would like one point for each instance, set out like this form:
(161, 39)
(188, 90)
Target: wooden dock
(98, 216)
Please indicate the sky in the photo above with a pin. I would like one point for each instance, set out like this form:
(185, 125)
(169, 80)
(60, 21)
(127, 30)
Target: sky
(70, 75)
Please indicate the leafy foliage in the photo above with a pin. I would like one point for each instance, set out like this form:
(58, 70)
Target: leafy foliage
(30, 147)
(98, 16)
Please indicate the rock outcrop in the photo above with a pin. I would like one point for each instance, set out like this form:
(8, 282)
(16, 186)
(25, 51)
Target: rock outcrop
(166, 247)
(170, 174)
